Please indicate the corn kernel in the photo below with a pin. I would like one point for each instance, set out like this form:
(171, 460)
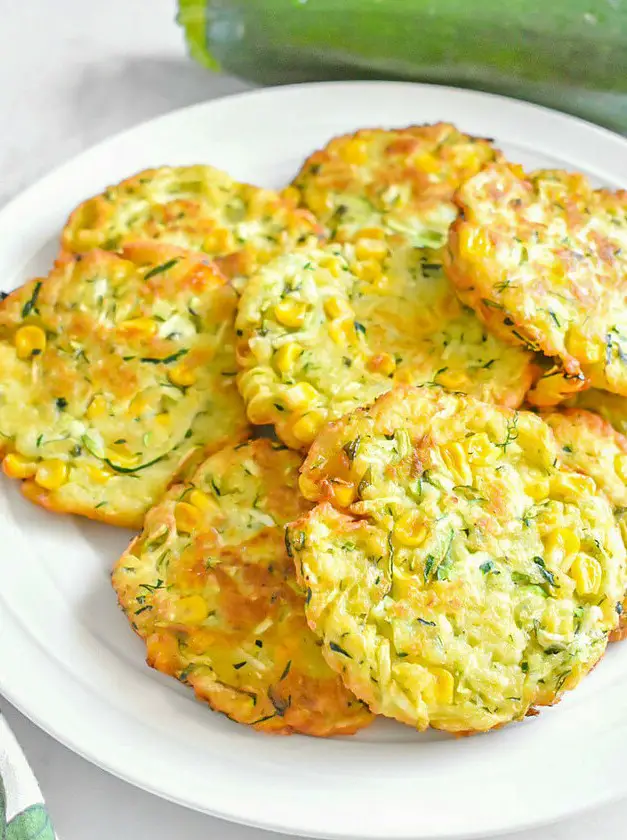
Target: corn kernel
(291, 313)
(334, 265)
(97, 407)
(308, 488)
(354, 151)
(481, 451)
(454, 458)
(571, 485)
(343, 494)
(557, 622)
(138, 327)
(191, 610)
(202, 501)
(427, 162)
(452, 379)
(586, 571)
(371, 250)
(16, 466)
(291, 195)
(286, 356)
(219, 241)
(51, 474)
(517, 170)
(302, 395)
(335, 307)
(97, 474)
(474, 244)
(29, 341)
(583, 348)
(342, 331)
(120, 454)
(382, 363)
(187, 517)
(620, 465)
(561, 544)
(410, 530)
(538, 488)
(443, 685)
(369, 233)
(369, 270)
(305, 428)
(164, 420)
(182, 375)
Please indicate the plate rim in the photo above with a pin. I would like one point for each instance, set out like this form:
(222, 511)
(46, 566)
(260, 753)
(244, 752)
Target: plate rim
(63, 731)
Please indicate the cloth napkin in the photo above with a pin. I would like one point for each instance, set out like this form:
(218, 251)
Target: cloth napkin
(23, 815)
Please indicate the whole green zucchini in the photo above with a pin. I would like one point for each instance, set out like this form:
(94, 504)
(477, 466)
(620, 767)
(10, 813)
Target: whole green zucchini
(571, 54)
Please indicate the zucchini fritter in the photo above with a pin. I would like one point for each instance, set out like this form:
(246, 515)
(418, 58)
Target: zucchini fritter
(115, 373)
(434, 567)
(210, 587)
(591, 446)
(399, 181)
(194, 207)
(542, 259)
(324, 330)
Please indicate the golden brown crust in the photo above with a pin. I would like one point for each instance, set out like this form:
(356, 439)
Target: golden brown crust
(211, 589)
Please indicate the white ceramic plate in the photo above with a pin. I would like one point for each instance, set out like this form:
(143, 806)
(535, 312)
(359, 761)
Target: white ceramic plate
(68, 659)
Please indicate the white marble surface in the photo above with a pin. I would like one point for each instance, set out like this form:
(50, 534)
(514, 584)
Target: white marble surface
(71, 73)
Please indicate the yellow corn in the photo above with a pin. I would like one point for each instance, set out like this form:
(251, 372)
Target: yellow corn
(372, 249)
(558, 622)
(139, 327)
(120, 454)
(571, 485)
(291, 195)
(517, 170)
(369, 270)
(182, 375)
(583, 348)
(382, 363)
(586, 571)
(51, 474)
(202, 501)
(302, 395)
(16, 466)
(342, 331)
(164, 420)
(343, 494)
(30, 341)
(218, 242)
(335, 307)
(480, 450)
(474, 243)
(427, 162)
(443, 685)
(334, 265)
(191, 610)
(538, 488)
(305, 428)
(260, 410)
(286, 356)
(454, 457)
(354, 151)
(97, 407)
(187, 517)
(561, 544)
(452, 379)
(98, 475)
(410, 530)
(308, 488)
(291, 313)
(620, 465)
(369, 233)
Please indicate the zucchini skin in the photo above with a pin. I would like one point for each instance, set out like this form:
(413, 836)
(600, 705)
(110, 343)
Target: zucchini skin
(570, 54)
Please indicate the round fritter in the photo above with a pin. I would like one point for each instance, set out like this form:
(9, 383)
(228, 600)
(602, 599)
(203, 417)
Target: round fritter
(210, 587)
(434, 567)
(116, 373)
(399, 180)
(591, 446)
(542, 259)
(324, 330)
(195, 207)
(611, 407)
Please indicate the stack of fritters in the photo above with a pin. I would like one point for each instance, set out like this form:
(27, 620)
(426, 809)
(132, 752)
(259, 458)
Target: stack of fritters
(446, 558)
